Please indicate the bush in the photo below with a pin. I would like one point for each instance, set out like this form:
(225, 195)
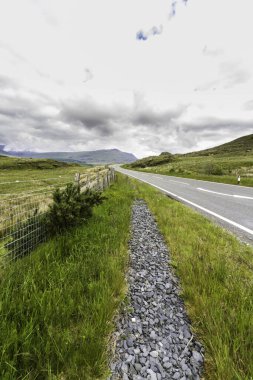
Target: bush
(71, 208)
(213, 169)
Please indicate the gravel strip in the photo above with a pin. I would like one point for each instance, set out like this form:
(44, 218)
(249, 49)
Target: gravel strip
(154, 340)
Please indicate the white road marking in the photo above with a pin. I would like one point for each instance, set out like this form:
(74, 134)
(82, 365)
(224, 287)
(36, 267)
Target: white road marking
(185, 183)
(171, 180)
(198, 206)
(227, 195)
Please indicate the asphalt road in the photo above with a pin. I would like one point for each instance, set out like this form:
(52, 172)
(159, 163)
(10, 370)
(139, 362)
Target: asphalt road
(231, 206)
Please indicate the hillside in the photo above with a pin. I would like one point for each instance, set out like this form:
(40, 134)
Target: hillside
(242, 145)
(149, 161)
(221, 164)
(14, 163)
(104, 156)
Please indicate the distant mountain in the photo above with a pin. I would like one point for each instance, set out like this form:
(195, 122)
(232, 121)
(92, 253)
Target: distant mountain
(242, 145)
(105, 156)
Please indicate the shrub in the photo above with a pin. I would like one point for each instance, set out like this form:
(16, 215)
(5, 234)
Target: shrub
(70, 208)
(213, 169)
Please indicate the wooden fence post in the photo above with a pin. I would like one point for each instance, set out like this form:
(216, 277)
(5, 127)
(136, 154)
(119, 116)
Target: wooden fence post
(98, 186)
(77, 178)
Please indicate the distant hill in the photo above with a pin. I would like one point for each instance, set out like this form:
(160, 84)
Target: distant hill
(14, 163)
(105, 156)
(221, 164)
(242, 145)
(163, 158)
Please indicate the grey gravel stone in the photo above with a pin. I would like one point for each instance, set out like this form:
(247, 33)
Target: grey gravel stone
(152, 374)
(197, 356)
(153, 337)
(138, 367)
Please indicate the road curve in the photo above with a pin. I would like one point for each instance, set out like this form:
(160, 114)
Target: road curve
(228, 205)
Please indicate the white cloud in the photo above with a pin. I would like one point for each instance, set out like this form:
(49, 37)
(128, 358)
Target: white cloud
(73, 75)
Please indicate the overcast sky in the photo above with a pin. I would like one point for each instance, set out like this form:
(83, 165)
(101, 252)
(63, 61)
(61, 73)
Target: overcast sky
(143, 76)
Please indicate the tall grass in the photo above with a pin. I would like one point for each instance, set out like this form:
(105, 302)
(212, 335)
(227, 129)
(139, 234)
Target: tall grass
(57, 305)
(216, 275)
(220, 168)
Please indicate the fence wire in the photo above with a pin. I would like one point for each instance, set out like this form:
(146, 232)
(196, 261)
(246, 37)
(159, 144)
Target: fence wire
(21, 215)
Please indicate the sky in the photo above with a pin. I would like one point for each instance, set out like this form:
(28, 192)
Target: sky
(142, 76)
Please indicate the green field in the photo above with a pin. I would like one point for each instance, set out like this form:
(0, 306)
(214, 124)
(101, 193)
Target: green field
(24, 174)
(220, 164)
(57, 305)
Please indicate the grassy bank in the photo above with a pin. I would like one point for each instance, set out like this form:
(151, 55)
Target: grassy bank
(215, 272)
(218, 164)
(223, 169)
(57, 305)
(229, 179)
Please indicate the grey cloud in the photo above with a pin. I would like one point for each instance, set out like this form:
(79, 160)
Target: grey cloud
(143, 114)
(27, 123)
(206, 133)
(233, 74)
(230, 74)
(150, 117)
(101, 118)
(6, 83)
(212, 52)
(248, 106)
(212, 131)
(20, 105)
(207, 86)
(7, 48)
(218, 125)
(88, 75)
(90, 115)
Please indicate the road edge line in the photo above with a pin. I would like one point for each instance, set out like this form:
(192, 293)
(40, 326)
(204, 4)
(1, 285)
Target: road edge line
(245, 229)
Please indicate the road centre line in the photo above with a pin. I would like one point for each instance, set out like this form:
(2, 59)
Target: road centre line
(185, 183)
(203, 180)
(171, 180)
(198, 206)
(226, 195)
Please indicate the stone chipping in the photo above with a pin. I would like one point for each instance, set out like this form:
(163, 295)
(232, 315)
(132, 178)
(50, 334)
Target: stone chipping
(153, 334)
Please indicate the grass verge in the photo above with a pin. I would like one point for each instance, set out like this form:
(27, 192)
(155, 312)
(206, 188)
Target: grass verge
(57, 306)
(229, 179)
(216, 277)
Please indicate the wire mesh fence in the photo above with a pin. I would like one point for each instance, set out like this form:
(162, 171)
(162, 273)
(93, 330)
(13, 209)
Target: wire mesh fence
(22, 226)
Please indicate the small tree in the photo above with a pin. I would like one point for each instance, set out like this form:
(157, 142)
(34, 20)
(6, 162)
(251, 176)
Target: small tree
(70, 208)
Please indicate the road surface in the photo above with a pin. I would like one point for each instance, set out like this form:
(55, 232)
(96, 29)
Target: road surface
(229, 205)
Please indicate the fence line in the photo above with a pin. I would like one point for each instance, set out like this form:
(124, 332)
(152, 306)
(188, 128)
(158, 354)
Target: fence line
(21, 216)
